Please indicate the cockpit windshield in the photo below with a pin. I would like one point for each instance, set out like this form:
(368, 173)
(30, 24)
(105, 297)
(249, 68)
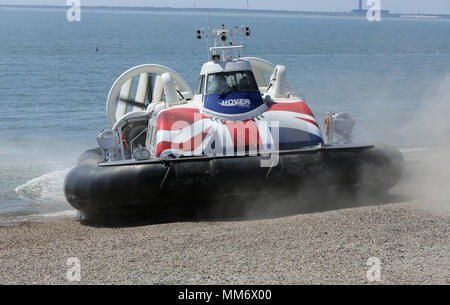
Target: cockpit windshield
(241, 81)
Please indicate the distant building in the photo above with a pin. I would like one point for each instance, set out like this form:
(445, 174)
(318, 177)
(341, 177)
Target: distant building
(363, 12)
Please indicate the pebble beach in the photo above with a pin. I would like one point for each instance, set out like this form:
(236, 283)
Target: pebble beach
(409, 236)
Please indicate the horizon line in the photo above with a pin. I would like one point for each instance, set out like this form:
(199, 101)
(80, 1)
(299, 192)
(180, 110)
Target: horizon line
(215, 8)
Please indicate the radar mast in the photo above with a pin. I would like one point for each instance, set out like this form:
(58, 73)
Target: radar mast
(223, 41)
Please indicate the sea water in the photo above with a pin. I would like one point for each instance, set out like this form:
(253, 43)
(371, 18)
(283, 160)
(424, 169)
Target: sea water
(54, 81)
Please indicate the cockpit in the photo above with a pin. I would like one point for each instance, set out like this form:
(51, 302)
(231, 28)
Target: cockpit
(229, 90)
(223, 82)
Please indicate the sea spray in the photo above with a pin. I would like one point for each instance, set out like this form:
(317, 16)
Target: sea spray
(429, 176)
(48, 187)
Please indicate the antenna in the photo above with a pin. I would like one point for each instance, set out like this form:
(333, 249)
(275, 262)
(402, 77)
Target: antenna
(207, 41)
(248, 14)
(195, 13)
(223, 40)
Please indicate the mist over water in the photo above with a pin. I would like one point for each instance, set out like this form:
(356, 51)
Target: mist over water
(391, 76)
(429, 174)
(430, 124)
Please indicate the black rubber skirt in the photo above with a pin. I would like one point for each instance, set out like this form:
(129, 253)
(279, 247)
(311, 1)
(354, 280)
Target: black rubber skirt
(189, 184)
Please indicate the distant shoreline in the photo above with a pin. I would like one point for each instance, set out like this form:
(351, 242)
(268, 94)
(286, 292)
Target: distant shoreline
(353, 13)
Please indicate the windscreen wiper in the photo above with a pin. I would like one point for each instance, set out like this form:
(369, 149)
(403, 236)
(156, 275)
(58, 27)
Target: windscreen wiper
(224, 90)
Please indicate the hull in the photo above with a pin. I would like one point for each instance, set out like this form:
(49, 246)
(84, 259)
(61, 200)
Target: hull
(156, 188)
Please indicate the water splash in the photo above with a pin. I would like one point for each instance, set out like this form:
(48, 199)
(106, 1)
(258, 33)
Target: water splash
(48, 187)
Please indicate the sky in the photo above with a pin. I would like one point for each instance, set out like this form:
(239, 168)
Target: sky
(395, 6)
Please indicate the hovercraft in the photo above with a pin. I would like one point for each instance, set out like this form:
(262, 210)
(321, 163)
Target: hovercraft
(241, 131)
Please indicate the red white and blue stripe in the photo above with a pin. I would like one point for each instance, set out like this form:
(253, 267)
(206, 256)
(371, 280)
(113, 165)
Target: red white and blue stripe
(185, 131)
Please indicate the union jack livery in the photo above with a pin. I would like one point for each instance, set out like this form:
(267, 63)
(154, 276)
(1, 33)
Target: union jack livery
(184, 131)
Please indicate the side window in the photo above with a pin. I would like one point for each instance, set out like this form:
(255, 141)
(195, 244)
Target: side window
(200, 84)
